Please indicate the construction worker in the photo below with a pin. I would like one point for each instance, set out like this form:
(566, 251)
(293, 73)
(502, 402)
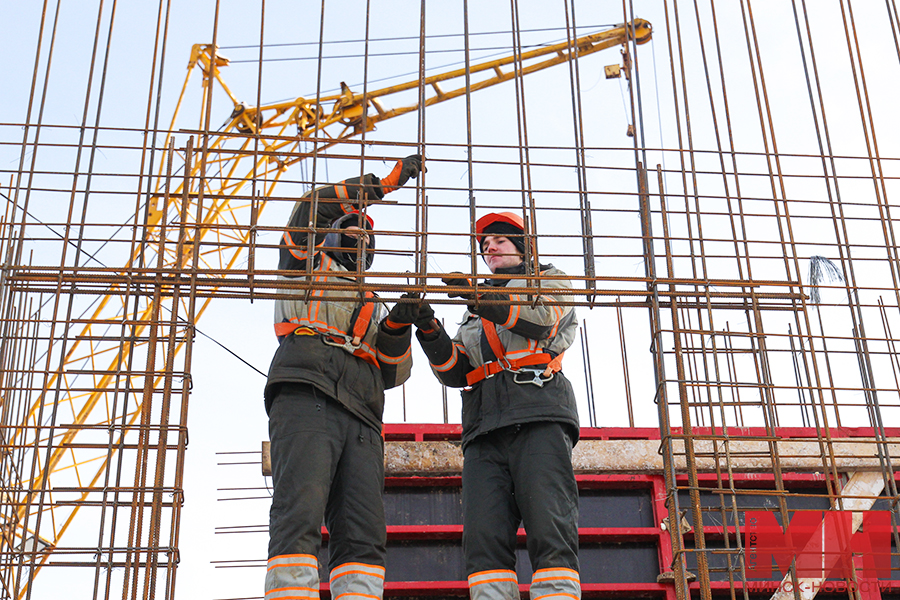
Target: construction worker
(519, 418)
(324, 396)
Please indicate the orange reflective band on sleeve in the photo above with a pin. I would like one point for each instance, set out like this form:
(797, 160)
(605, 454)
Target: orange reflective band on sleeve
(395, 326)
(297, 251)
(514, 310)
(393, 360)
(450, 362)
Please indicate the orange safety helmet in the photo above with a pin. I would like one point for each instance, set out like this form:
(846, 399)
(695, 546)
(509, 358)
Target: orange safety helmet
(502, 224)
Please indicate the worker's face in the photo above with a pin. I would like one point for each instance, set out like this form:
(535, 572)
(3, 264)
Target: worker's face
(354, 231)
(499, 253)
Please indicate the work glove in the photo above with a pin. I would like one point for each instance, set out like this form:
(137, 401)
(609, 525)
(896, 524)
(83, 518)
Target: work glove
(425, 319)
(457, 279)
(407, 313)
(404, 313)
(405, 169)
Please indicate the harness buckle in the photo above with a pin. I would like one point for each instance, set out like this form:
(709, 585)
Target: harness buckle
(345, 343)
(533, 376)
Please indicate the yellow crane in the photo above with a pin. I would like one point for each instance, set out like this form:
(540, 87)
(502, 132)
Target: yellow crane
(122, 384)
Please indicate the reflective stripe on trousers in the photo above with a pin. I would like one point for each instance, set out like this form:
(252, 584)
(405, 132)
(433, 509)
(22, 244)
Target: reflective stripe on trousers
(499, 584)
(357, 581)
(292, 576)
(555, 584)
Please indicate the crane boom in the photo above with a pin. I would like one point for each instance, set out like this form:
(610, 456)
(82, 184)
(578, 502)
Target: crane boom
(196, 228)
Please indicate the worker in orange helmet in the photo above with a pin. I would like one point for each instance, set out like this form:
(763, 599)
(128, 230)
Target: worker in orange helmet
(519, 417)
(325, 397)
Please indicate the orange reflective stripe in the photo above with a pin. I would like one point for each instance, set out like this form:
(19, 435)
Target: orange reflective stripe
(299, 254)
(514, 310)
(446, 366)
(357, 595)
(289, 242)
(370, 570)
(557, 595)
(293, 560)
(497, 580)
(393, 360)
(310, 593)
(555, 573)
(395, 326)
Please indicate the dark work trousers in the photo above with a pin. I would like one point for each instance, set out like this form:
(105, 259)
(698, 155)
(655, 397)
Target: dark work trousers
(325, 463)
(520, 473)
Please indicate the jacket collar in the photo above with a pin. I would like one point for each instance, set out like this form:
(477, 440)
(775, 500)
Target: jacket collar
(519, 269)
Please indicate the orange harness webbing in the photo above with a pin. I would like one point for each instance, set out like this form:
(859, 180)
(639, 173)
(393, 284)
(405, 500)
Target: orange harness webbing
(490, 369)
(350, 341)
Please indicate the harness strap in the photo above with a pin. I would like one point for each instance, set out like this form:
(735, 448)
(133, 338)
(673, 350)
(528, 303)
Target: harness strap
(554, 364)
(287, 328)
(490, 332)
(353, 337)
(492, 368)
(363, 318)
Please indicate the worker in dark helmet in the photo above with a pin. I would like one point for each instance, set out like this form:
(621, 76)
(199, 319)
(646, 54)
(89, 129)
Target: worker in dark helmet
(519, 418)
(337, 354)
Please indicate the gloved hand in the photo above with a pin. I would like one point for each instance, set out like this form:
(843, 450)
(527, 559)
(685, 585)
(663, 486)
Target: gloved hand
(404, 313)
(458, 279)
(425, 318)
(405, 169)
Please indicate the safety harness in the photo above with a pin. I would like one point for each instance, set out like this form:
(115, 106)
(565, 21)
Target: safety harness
(350, 341)
(519, 367)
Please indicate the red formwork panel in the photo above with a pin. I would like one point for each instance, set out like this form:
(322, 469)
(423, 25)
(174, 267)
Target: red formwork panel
(649, 534)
